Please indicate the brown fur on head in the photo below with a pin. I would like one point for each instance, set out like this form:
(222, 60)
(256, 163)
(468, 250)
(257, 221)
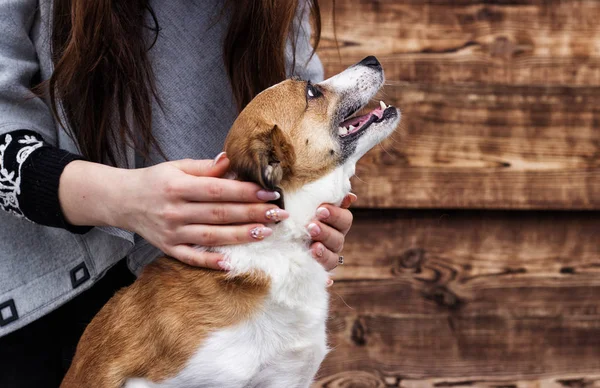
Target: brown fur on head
(280, 141)
(295, 132)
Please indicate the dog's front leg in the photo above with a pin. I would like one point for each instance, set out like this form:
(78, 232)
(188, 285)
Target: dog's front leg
(294, 369)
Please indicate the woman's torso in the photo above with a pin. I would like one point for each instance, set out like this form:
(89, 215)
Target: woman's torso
(41, 267)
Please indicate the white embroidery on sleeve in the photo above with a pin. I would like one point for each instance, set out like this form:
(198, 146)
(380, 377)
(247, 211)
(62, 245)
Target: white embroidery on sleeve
(10, 177)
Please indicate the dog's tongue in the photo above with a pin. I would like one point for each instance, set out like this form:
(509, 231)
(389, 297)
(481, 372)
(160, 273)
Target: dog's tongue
(358, 122)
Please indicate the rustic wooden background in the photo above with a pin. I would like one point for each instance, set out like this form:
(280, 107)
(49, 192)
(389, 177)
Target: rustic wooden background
(474, 259)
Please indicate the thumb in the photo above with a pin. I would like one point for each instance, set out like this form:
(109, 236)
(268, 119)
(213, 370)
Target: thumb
(211, 168)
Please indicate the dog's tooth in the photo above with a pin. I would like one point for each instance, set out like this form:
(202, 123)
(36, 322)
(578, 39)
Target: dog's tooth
(351, 128)
(382, 105)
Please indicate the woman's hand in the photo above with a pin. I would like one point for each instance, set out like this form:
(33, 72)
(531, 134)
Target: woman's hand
(173, 205)
(329, 230)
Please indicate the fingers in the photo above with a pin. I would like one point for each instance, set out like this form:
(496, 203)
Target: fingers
(208, 235)
(348, 200)
(336, 217)
(213, 189)
(324, 256)
(211, 168)
(231, 213)
(196, 257)
(210, 189)
(331, 238)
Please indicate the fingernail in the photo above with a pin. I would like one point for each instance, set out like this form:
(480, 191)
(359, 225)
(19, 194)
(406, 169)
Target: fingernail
(225, 266)
(329, 282)
(353, 197)
(314, 229)
(323, 213)
(260, 232)
(318, 252)
(276, 215)
(265, 195)
(218, 158)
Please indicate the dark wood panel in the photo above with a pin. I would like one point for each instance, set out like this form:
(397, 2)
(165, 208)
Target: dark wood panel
(434, 297)
(487, 147)
(499, 98)
(364, 379)
(536, 42)
(472, 246)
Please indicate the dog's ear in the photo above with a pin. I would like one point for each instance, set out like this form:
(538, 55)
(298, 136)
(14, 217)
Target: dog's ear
(264, 156)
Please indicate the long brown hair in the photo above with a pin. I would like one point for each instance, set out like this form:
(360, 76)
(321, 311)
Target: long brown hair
(103, 79)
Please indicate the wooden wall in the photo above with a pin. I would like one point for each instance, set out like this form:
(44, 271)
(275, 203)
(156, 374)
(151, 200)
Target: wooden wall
(474, 259)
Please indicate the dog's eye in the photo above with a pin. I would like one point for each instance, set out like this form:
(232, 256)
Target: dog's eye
(312, 92)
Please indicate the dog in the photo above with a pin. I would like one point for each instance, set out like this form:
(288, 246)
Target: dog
(262, 324)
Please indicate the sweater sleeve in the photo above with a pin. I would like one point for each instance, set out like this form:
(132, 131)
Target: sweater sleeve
(30, 162)
(30, 171)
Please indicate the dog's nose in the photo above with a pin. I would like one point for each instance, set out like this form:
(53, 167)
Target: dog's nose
(371, 61)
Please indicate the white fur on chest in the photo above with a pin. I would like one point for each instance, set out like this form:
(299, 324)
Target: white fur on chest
(285, 342)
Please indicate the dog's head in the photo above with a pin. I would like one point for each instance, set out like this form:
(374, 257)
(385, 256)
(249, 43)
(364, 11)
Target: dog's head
(295, 133)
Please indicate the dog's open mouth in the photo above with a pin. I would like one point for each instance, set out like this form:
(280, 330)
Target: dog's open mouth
(354, 125)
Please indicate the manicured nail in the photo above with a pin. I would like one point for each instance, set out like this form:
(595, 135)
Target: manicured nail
(218, 158)
(276, 215)
(329, 282)
(353, 197)
(318, 252)
(225, 266)
(265, 195)
(314, 229)
(323, 213)
(260, 232)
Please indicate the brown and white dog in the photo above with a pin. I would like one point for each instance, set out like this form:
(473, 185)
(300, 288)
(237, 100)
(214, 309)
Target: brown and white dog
(263, 323)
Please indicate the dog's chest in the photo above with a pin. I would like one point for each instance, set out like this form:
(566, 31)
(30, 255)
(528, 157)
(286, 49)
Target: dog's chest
(282, 345)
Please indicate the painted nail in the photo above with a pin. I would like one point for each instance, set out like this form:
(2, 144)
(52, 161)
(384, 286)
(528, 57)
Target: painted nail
(265, 195)
(260, 232)
(323, 213)
(225, 266)
(276, 215)
(314, 229)
(218, 158)
(319, 251)
(329, 282)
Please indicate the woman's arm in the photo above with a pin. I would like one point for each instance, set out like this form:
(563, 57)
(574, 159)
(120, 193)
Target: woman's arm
(173, 205)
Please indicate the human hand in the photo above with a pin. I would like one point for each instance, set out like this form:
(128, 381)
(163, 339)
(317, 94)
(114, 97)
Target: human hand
(329, 230)
(176, 205)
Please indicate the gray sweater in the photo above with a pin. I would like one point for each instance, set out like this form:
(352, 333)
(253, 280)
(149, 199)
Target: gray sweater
(43, 267)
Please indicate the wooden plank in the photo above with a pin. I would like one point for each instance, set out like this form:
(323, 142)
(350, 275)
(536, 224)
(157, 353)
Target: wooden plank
(481, 128)
(373, 379)
(487, 147)
(434, 297)
(535, 42)
(471, 247)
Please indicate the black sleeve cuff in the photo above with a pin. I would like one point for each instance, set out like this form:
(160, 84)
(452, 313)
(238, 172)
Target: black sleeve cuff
(39, 167)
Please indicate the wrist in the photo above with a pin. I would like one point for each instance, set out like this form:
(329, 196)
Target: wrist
(92, 193)
(120, 198)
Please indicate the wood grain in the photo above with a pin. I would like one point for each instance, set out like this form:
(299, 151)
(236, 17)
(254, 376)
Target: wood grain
(483, 126)
(433, 297)
(368, 380)
(487, 147)
(535, 42)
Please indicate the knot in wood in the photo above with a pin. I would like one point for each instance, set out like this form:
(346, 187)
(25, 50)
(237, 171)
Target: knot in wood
(358, 333)
(412, 258)
(443, 297)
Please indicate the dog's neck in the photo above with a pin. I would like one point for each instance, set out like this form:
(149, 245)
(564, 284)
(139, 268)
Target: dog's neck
(285, 256)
